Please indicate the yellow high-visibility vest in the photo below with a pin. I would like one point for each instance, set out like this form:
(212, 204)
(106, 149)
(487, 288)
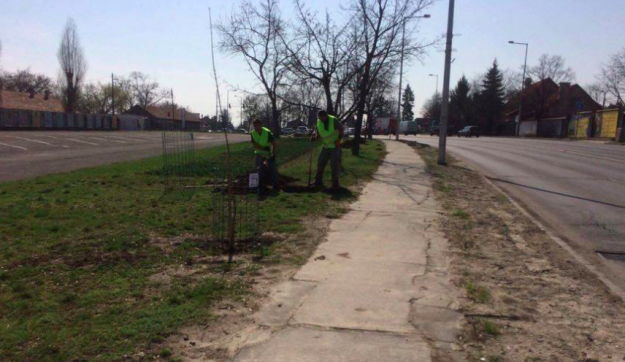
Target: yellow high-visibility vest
(328, 135)
(263, 141)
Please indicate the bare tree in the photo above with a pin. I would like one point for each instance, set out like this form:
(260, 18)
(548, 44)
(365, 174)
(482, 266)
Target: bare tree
(98, 98)
(73, 66)
(612, 75)
(254, 32)
(318, 50)
(25, 81)
(549, 71)
(379, 24)
(551, 66)
(145, 91)
(597, 91)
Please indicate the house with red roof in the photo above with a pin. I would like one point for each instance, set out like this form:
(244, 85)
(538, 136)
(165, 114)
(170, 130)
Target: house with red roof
(164, 118)
(26, 110)
(548, 107)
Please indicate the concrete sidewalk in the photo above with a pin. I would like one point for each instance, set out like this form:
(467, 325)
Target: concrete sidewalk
(377, 290)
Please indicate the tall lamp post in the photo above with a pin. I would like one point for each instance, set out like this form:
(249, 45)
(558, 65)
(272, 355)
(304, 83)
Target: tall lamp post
(442, 140)
(401, 72)
(518, 124)
(435, 75)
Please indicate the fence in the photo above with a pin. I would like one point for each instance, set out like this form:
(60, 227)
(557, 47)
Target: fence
(20, 119)
(603, 124)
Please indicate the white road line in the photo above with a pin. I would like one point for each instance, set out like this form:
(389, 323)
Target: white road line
(127, 139)
(106, 140)
(89, 143)
(37, 141)
(18, 147)
(75, 140)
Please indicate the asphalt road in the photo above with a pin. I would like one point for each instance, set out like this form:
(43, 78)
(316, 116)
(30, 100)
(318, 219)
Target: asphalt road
(25, 154)
(577, 189)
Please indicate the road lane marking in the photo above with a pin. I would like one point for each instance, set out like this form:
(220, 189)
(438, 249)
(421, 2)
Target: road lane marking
(18, 147)
(72, 139)
(89, 143)
(127, 139)
(37, 141)
(106, 140)
(593, 156)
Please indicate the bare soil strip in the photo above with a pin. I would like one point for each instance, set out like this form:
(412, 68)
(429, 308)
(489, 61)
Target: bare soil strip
(526, 298)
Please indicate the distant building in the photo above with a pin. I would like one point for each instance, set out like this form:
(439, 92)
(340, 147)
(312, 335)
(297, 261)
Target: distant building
(161, 118)
(26, 110)
(547, 108)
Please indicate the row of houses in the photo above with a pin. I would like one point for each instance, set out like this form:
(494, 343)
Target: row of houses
(561, 110)
(36, 111)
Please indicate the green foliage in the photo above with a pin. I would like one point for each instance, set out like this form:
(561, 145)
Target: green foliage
(490, 328)
(477, 293)
(407, 104)
(460, 213)
(461, 104)
(492, 97)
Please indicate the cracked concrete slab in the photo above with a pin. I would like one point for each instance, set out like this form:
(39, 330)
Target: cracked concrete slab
(377, 289)
(284, 299)
(313, 345)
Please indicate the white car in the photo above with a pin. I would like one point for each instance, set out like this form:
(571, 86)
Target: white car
(301, 131)
(287, 131)
(350, 131)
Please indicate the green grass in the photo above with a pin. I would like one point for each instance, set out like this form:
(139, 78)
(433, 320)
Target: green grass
(460, 213)
(477, 293)
(490, 328)
(77, 249)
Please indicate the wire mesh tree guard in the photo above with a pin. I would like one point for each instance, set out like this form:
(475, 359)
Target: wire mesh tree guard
(179, 164)
(184, 174)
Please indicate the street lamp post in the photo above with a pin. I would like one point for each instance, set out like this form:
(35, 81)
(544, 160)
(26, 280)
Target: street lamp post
(518, 125)
(401, 72)
(435, 75)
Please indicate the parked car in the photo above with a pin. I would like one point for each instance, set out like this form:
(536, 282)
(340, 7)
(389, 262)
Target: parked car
(301, 131)
(288, 131)
(408, 127)
(350, 131)
(469, 131)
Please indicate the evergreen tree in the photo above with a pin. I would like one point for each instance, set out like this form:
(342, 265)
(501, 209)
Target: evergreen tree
(407, 103)
(491, 99)
(461, 104)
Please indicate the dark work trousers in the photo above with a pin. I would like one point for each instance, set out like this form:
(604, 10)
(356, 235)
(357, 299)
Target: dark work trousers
(270, 171)
(334, 155)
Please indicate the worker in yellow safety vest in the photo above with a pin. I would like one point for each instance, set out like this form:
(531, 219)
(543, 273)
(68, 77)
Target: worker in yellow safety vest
(265, 150)
(330, 130)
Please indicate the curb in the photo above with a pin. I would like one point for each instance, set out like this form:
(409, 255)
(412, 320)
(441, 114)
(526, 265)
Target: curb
(615, 289)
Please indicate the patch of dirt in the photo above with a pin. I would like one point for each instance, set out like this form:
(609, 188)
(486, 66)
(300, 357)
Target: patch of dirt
(536, 302)
(219, 338)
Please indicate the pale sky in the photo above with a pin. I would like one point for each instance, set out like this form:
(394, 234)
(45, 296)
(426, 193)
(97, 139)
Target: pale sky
(170, 40)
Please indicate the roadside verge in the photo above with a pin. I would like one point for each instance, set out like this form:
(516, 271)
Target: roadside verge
(526, 299)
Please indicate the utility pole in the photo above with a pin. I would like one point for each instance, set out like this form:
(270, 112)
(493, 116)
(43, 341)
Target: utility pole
(173, 109)
(401, 75)
(518, 124)
(442, 142)
(113, 98)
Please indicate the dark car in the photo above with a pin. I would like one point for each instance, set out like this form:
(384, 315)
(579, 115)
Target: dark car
(469, 131)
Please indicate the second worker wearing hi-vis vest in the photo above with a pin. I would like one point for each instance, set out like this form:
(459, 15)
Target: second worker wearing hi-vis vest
(330, 130)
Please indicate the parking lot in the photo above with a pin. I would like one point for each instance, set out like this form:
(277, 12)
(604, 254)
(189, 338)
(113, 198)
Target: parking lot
(25, 154)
